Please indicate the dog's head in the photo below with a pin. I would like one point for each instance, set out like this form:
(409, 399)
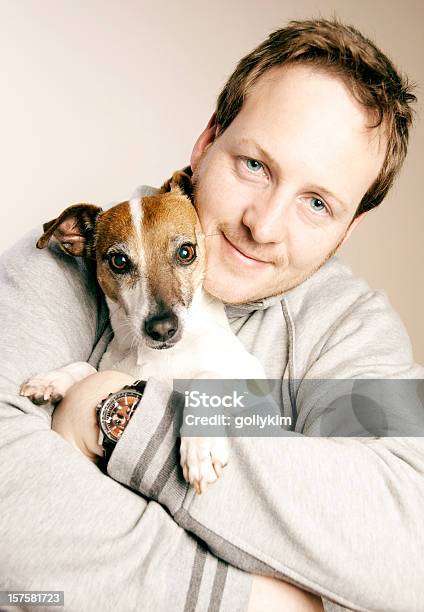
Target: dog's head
(150, 258)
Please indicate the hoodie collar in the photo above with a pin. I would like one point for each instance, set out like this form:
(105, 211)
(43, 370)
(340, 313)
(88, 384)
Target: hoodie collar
(240, 310)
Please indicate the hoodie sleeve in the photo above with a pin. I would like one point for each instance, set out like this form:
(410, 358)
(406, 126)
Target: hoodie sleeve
(64, 525)
(339, 516)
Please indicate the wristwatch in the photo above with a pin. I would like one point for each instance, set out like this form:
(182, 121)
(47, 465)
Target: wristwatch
(114, 413)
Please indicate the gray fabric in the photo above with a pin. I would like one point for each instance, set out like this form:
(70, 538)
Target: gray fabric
(320, 512)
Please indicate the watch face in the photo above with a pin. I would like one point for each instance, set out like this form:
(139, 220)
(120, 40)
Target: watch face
(117, 411)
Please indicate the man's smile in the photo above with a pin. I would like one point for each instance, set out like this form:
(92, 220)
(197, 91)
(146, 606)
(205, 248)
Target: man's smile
(241, 256)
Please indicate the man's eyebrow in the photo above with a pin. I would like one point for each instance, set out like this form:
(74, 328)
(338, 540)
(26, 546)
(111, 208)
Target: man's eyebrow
(317, 188)
(262, 151)
(330, 196)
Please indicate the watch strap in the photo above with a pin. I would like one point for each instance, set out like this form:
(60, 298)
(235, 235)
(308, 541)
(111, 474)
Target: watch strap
(137, 385)
(108, 446)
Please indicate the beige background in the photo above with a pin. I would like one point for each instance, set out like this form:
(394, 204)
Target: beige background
(99, 96)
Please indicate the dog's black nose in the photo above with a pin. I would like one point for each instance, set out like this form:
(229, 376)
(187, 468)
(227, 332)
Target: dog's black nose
(161, 327)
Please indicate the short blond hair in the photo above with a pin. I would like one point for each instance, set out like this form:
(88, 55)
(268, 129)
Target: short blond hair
(345, 52)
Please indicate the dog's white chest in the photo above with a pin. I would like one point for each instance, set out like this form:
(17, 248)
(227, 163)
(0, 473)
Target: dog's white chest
(158, 366)
(181, 361)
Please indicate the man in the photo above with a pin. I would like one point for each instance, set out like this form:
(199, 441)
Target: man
(308, 135)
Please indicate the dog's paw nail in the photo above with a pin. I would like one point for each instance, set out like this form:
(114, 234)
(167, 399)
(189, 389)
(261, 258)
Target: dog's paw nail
(38, 400)
(203, 485)
(51, 394)
(218, 468)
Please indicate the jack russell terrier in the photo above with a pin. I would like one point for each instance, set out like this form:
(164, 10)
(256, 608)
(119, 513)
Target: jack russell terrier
(150, 255)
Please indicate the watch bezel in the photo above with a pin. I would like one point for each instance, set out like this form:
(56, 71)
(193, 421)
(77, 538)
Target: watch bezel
(105, 405)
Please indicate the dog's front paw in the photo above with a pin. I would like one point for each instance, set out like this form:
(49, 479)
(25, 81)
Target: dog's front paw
(46, 388)
(202, 460)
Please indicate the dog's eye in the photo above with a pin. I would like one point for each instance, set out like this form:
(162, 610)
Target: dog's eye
(119, 263)
(186, 254)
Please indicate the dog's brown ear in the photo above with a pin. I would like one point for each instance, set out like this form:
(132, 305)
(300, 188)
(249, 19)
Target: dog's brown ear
(180, 181)
(73, 229)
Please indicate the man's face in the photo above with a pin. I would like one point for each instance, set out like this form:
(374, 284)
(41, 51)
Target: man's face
(277, 191)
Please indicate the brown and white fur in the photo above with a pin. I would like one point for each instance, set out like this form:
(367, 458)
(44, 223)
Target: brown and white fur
(165, 324)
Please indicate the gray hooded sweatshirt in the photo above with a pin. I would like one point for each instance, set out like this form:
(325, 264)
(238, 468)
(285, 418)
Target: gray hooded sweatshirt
(339, 516)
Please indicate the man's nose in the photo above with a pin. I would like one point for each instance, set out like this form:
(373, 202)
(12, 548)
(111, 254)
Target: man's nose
(161, 327)
(267, 218)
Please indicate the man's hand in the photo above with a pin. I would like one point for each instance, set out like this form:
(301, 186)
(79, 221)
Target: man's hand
(75, 417)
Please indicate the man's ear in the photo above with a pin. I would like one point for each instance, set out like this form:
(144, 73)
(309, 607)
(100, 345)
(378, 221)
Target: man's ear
(180, 182)
(352, 226)
(205, 139)
(73, 229)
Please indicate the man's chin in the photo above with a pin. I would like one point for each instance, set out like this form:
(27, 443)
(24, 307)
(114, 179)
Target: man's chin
(227, 289)
(231, 289)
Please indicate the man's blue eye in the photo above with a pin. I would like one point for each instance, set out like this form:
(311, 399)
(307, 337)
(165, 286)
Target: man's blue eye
(254, 165)
(319, 204)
